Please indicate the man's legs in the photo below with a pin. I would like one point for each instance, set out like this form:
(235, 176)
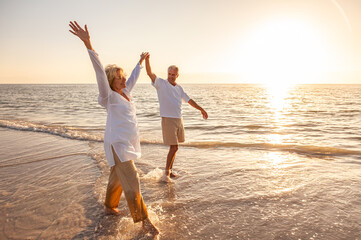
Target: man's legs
(173, 133)
(170, 159)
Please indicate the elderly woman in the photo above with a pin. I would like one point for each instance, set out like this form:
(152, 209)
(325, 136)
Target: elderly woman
(121, 138)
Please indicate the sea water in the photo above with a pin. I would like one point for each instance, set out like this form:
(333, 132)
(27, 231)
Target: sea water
(269, 163)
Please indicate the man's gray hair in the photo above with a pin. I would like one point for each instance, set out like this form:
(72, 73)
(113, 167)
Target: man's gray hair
(173, 67)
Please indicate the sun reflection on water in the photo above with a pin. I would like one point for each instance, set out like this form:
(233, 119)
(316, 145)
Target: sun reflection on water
(275, 159)
(274, 138)
(277, 96)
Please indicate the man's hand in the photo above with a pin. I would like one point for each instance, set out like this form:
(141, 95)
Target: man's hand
(143, 56)
(204, 113)
(196, 106)
(147, 57)
(149, 69)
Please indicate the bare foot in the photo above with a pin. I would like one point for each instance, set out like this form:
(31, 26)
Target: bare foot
(148, 227)
(166, 178)
(173, 175)
(112, 211)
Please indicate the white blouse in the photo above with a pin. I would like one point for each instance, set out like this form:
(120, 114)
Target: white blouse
(121, 130)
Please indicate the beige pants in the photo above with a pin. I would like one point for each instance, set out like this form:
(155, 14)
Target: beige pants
(124, 176)
(173, 130)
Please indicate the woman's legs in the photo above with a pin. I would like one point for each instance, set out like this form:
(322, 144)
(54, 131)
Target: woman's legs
(114, 190)
(127, 178)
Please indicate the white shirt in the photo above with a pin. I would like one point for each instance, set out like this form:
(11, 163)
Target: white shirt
(170, 98)
(121, 130)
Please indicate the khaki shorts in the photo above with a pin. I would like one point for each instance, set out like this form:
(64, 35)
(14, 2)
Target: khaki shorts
(173, 130)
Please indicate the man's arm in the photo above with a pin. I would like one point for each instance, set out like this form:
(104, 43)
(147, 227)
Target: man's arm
(195, 105)
(149, 69)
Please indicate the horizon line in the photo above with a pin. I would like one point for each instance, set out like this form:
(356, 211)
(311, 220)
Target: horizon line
(143, 83)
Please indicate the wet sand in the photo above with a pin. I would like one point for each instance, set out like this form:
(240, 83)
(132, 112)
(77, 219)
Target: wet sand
(47, 190)
(46, 181)
(53, 188)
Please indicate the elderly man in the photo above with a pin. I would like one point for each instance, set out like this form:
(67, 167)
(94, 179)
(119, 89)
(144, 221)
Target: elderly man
(170, 97)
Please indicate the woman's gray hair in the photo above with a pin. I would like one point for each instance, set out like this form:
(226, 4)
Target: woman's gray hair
(111, 71)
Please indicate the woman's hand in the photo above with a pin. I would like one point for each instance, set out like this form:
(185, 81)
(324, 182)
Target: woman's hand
(143, 56)
(81, 33)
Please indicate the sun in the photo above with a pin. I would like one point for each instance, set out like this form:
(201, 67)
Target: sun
(284, 52)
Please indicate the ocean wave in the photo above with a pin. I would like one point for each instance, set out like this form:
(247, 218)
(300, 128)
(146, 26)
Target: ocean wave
(81, 134)
(63, 131)
(350, 111)
(309, 150)
(210, 128)
(39, 160)
(300, 149)
(254, 126)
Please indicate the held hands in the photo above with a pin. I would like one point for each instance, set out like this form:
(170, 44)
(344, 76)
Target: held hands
(143, 56)
(81, 33)
(147, 57)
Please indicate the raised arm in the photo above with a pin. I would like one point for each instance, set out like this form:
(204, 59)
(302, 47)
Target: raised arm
(149, 69)
(102, 80)
(82, 34)
(132, 80)
(195, 105)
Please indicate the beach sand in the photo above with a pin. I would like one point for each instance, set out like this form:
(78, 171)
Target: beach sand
(45, 183)
(53, 188)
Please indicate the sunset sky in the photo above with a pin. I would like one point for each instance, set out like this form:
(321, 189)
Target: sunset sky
(212, 41)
